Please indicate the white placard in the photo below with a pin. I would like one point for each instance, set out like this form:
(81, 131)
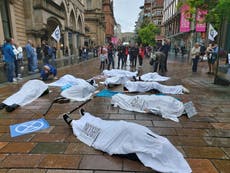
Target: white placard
(190, 109)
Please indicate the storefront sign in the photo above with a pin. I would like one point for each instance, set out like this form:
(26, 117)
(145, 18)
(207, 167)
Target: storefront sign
(200, 23)
(184, 19)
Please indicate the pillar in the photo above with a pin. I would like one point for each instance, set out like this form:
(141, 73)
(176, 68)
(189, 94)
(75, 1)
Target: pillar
(74, 43)
(66, 41)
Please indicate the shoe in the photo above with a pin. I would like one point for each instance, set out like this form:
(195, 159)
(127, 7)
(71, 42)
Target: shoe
(185, 90)
(19, 78)
(134, 78)
(82, 112)
(125, 89)
(2, 106)
(11, 108)
(14, 79)
(67, 119)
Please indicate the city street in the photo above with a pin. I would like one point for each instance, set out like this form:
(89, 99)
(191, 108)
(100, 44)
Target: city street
(204, 139)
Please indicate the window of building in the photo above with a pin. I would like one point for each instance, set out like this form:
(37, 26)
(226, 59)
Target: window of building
(89, 4)
(4, 6)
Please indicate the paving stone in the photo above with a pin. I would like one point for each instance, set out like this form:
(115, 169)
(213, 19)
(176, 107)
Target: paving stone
(111, 172)
(60, 161)
(98, 162)
(122, 117)
(49, 148)
(166, 124)
(21, 161)
(227, 151)
(81, 148)
(49, 138)
(191, 132)
(19, 147)
(68, 171)
(187, 141)
(223, 166)
(130, 165)
(219, 142)
(3, 144)
(163, 131)
(225, 126)
(27, 171)
(201, 166)
(204, 152)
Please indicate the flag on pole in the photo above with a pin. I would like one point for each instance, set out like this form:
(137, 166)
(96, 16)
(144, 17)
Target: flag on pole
(212, 33)
(57, 34)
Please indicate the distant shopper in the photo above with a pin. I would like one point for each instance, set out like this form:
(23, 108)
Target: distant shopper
(141, 55)
(29, 54)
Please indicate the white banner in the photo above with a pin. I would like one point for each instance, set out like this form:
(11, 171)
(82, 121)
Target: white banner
(57, 34)
(212, 33)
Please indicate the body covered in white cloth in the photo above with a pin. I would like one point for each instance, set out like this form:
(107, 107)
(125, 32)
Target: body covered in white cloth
(153, 77)
(29, 92)
(118, 72)
(78, 89)
(120, 137)
(140, 86)
(166, 106)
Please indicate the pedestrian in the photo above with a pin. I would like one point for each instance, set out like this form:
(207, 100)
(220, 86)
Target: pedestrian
(165, 49)
(29, 54)
(121, 55)
(48, 71)
(17, 61)
(195, 55)
(45, 50)
(133, 53)
(9, 58)
(102, 58)
(110, 55)
(202, 51)
(34, 60)
(141, 55)
(85, 53)
(212, 51)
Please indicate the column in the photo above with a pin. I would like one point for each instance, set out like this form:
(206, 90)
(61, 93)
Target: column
(66, 41)
(74, 43)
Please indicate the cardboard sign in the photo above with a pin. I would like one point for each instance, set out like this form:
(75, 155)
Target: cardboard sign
(89, 134)
(190, 109)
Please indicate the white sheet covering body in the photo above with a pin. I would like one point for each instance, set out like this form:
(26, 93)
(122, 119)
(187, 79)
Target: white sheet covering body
(117, 80)
(29, 92)
(118, 72)
(166, 106)
(120, 137)
(153, 77)
(140, 86)
(80, 89)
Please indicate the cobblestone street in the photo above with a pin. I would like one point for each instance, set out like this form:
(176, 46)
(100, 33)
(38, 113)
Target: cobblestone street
(204, 139)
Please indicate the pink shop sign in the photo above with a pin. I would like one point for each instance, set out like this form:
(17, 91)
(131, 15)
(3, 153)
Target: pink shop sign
(200, 20)
(184, 19)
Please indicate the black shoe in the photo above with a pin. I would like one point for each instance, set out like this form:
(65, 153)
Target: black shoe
(134, 78)
(67, 119)
(125, 89)
(2, 106)
(11, 108)
(82, 112)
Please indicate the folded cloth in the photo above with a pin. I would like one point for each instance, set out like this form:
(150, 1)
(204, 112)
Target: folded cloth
(120, 137)
(166, 106)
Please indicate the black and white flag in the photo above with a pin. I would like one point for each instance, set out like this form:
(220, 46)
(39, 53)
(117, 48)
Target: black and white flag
(57, 34)
(212, 33)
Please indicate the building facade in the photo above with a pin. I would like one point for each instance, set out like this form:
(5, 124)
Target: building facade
(37, 19)
(94, 23)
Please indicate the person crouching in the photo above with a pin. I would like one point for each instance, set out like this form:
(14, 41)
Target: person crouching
(47, 72)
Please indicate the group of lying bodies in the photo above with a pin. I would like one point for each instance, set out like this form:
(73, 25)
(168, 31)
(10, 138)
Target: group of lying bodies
(119, 137)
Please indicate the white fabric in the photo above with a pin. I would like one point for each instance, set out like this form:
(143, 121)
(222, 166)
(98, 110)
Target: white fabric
(30, 91)
(116, 80)
(120, 137)
(166, 106)
(68, 80)
(80, 89)
(153, 77)
(80, 92)
(118, 72)
(140, 86)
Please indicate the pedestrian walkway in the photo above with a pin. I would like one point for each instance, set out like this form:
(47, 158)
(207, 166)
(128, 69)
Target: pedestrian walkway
(204, 139)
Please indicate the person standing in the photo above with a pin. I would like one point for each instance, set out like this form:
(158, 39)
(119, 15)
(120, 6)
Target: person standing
(121, 55)
(34, 60)
(9, 58)
(110, 55)
(195, 54)
(165, 49)
(141, 54)
(102, 58)
(29, 54)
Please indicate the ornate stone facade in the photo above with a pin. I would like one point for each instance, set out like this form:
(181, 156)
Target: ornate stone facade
(37, 19)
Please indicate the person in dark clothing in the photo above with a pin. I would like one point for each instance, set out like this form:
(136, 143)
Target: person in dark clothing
(110, 55)
(165, 49)
(47, 71)
(133, 53)
(121, 55)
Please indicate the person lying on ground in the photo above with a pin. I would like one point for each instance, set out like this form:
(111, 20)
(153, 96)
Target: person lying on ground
(126, 139)
(140, 86)
(48, 72)
(75, 89)
(119, 72)
(29, 92)
(151, 77)
(166, 106)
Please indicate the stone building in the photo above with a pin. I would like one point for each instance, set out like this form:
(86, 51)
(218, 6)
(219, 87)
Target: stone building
(94, 23)
(37, 19)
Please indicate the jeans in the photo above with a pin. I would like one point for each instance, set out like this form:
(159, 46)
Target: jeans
(111, 61)
(10, 71)
(194, 64)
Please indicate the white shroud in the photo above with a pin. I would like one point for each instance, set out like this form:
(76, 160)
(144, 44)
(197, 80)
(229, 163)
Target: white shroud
(153, 77)
(120, 137)
(29, 92)
(166, 106)
(79, 90)
(140, 86)
(118, 72)
(116, 80)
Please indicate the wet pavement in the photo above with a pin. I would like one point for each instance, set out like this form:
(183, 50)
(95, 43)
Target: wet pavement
(204, 139)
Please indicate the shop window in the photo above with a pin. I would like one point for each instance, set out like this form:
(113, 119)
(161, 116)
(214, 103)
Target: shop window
(4, 6)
